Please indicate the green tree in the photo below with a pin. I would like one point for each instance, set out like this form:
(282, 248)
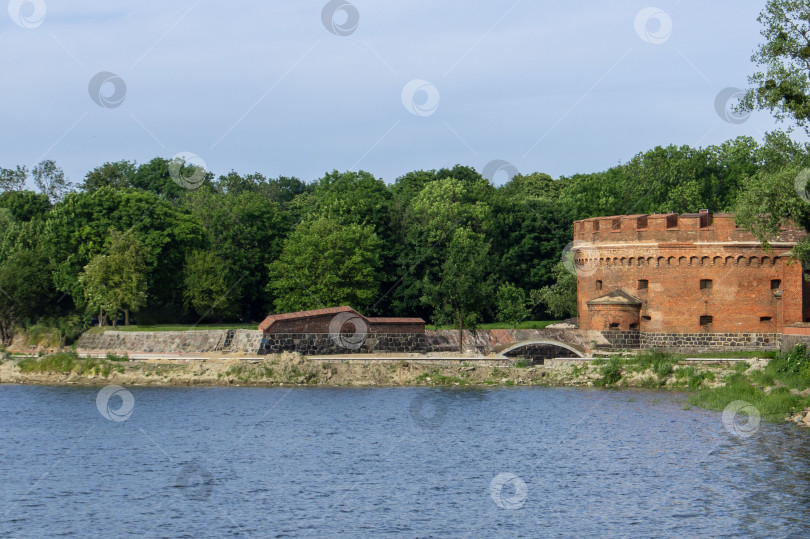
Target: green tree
(210, 286)
(354, 197)
(50, 180)
(530, 230)
(464, 285)
(78, 228)
(13, 179)
(118, 175)
(246, 230)
(116, 282)
(96, 282)
(536, 186)
(431, 218)
(25, 205)
(25, 288)
(559, 298)
(512, 304)
(9, 231)
(782, 85)
(778, 194)
(156, 177)
(325, 263)
(129, 256)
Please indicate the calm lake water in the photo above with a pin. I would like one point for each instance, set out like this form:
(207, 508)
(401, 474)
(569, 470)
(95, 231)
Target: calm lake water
(411, 462)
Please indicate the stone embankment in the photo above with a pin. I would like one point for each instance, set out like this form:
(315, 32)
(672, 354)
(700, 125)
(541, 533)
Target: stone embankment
(253, 342)
(293, 369)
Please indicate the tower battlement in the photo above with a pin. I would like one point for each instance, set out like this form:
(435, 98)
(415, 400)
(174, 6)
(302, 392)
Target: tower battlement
(702, 227)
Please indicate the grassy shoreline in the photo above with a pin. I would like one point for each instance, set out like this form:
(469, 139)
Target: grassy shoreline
(777, 387)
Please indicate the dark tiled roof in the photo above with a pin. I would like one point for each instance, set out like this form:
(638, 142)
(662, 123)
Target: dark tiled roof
(331, 311)
(306, 314)
(389, 320)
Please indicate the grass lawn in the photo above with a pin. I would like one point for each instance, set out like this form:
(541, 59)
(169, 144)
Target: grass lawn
(528, 324)
(769, 354)
(175, 327)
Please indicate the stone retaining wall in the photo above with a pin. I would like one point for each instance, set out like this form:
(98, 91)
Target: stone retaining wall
(253, 342)
(789, 341)
(243, 341)
(693, 342)
(325, 343)
(625, 340)
(246, 341)
(711, 342)
(160, 342)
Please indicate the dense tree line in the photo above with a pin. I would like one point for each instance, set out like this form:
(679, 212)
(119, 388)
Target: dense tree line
(168, 242)
(131, 242)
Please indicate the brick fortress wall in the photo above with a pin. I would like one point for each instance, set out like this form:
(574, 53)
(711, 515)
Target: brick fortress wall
(693, 273)
(692, 282)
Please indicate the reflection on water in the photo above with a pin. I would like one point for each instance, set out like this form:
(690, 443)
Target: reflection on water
(417, 462)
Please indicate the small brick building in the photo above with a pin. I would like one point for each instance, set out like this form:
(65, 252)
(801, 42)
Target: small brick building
(692, 278)
(320, 320)
(340, 330)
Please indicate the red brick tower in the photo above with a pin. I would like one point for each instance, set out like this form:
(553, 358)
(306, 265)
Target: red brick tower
(689, 274)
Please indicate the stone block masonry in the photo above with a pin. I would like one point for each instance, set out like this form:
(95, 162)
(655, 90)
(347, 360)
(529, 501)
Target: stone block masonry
(325, 343)
(158, 342)
(624, 340)
(693, 342)
(711, 342)
(248, 342)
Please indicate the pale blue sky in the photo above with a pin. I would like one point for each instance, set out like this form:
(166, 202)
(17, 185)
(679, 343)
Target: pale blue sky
(557, 87)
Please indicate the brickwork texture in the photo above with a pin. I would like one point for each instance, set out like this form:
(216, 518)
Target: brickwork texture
(693, 274)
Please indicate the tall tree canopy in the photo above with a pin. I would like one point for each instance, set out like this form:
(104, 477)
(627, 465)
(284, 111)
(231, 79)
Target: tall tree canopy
(326, 263)
(782, 85)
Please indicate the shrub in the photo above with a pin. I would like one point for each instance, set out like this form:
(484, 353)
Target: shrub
(771, 406)
(66, 362)
(792, 367)
(741, 367)
(663, 368)
(611, 373)
(62, 362)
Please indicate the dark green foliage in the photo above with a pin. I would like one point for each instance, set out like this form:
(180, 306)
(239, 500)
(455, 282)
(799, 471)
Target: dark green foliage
(117, 175)
(444, 244)
(782, 85)
(513, 305)
(611, 373)
(211, 288)
(792, 367)
(25, 205)
(560, 299)
(25, 289)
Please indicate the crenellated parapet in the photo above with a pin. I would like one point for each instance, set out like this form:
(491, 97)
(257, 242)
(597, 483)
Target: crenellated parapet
(702, 227)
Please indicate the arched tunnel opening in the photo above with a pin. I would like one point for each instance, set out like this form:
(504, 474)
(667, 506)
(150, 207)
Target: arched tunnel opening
(538, 353)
